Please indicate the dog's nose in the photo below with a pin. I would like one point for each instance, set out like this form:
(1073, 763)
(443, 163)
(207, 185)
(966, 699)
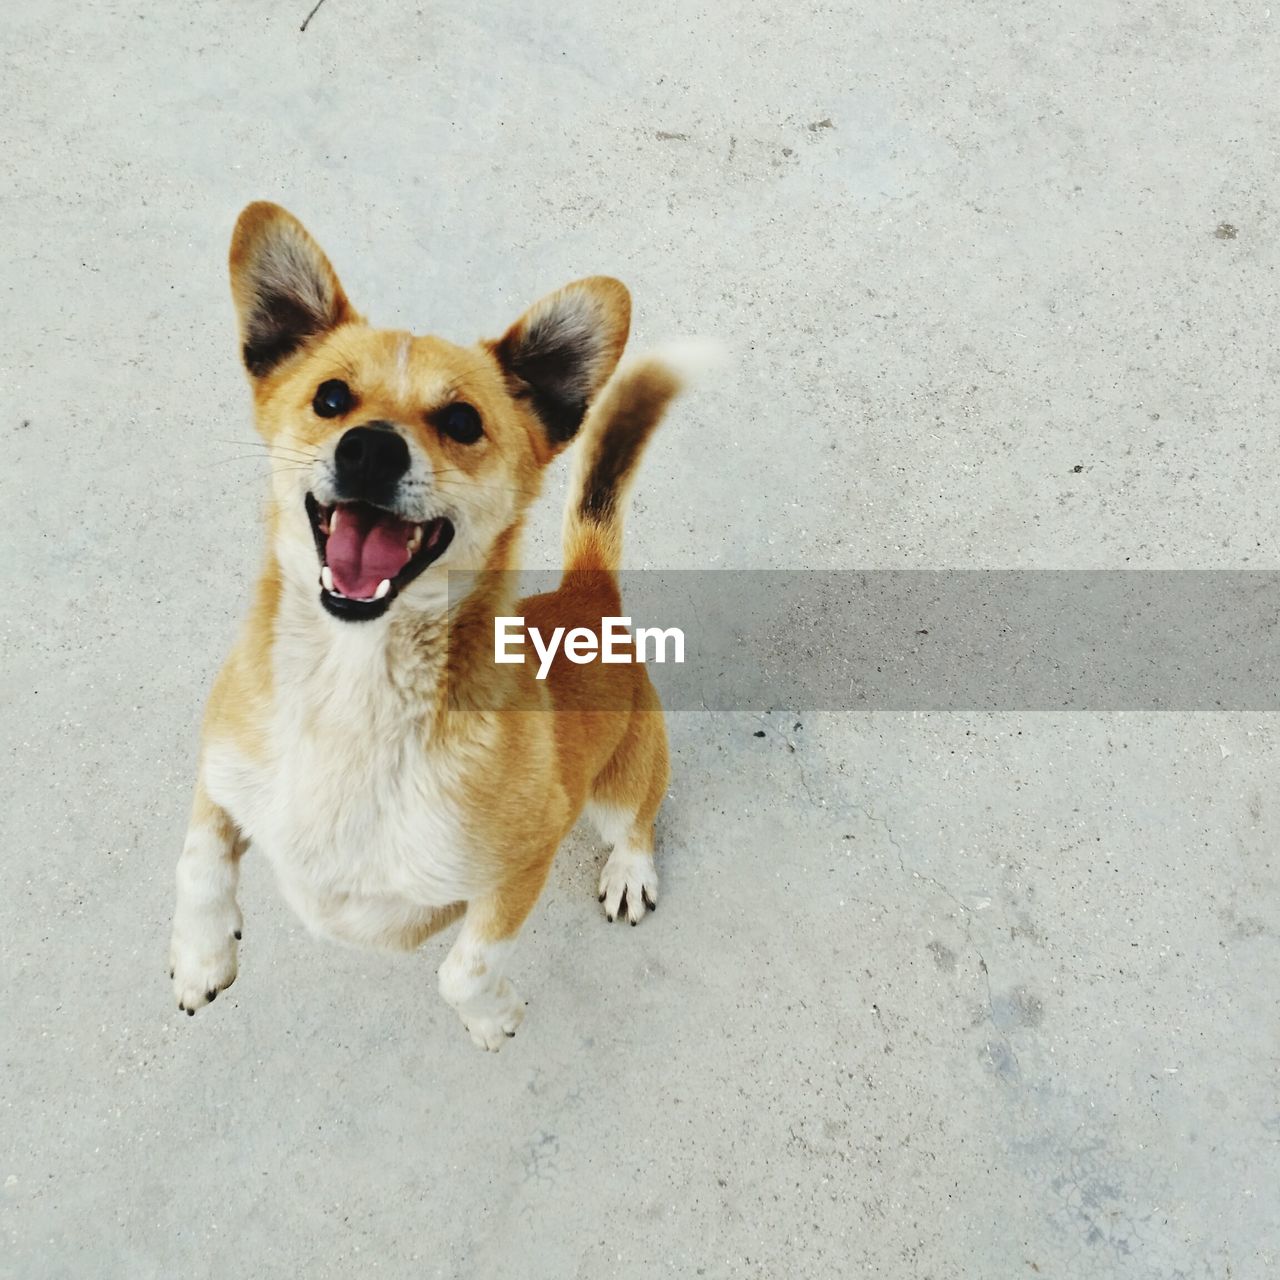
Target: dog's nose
(369, 460)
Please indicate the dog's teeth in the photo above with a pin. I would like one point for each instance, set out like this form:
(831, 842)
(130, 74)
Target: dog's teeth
(333, 522)
(383, 587)
(326, 578)
(415, 539)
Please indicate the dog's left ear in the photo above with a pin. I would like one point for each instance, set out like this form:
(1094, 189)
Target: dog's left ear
(285, 290)
(562, 350)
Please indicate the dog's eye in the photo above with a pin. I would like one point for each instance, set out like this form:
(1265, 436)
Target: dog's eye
(460, 422)
(332, 398)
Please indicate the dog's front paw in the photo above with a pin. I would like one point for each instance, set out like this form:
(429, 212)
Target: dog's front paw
(491, 1022)
(202, 956)
(629, 885)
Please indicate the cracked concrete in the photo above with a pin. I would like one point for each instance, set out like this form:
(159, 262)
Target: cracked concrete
(929, 995)
(968, 934)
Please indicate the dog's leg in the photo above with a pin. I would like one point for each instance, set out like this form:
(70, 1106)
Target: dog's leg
(473, 978)
(206, 918)
(624, 802)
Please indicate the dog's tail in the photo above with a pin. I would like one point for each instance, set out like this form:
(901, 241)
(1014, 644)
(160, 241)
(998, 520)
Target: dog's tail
(609, 447)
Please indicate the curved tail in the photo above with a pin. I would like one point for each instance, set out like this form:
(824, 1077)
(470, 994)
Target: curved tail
(609, 447)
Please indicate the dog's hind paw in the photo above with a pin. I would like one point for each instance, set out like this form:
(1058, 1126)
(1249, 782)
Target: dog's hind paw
(202, 958)
(493, 1028)
(629, 885)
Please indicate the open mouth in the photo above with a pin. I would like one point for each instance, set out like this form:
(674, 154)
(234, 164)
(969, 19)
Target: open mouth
(368, 555)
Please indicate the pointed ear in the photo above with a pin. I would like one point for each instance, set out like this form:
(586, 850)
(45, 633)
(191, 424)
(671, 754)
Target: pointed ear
(563, 349)
(285, 291)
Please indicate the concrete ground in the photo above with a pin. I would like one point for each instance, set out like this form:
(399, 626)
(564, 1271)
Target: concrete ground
(929, 995)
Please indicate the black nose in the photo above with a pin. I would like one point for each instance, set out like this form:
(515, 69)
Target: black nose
(369, 461)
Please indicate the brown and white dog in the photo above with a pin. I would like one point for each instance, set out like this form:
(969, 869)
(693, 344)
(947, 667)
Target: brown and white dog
(360, 734)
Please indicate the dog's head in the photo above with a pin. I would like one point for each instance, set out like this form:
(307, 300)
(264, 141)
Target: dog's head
(393, 453)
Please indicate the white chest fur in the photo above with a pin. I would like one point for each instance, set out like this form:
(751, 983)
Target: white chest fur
(356, 808)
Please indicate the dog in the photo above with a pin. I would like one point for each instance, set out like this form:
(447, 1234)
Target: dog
(360, 733)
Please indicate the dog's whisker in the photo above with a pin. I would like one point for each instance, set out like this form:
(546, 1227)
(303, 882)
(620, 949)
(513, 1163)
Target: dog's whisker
(265, 445)
(287, 456)
(254, 457)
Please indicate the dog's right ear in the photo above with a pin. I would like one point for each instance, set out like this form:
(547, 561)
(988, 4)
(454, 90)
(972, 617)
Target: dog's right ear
(285, 291)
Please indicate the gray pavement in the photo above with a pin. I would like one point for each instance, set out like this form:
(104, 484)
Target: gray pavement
(929, 995)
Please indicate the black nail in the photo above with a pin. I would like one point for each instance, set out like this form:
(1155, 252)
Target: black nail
(191, 1013)
(171, 973)
(511, 1035)
(182, 1008)
(600, 898)
(237, 935)
(608, 917)
(211, 996)
(634, 923)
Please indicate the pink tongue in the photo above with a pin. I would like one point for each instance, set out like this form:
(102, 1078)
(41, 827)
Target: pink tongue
(366, 547)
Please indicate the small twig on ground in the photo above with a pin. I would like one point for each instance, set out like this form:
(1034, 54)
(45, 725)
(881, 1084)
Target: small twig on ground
(314, 10)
